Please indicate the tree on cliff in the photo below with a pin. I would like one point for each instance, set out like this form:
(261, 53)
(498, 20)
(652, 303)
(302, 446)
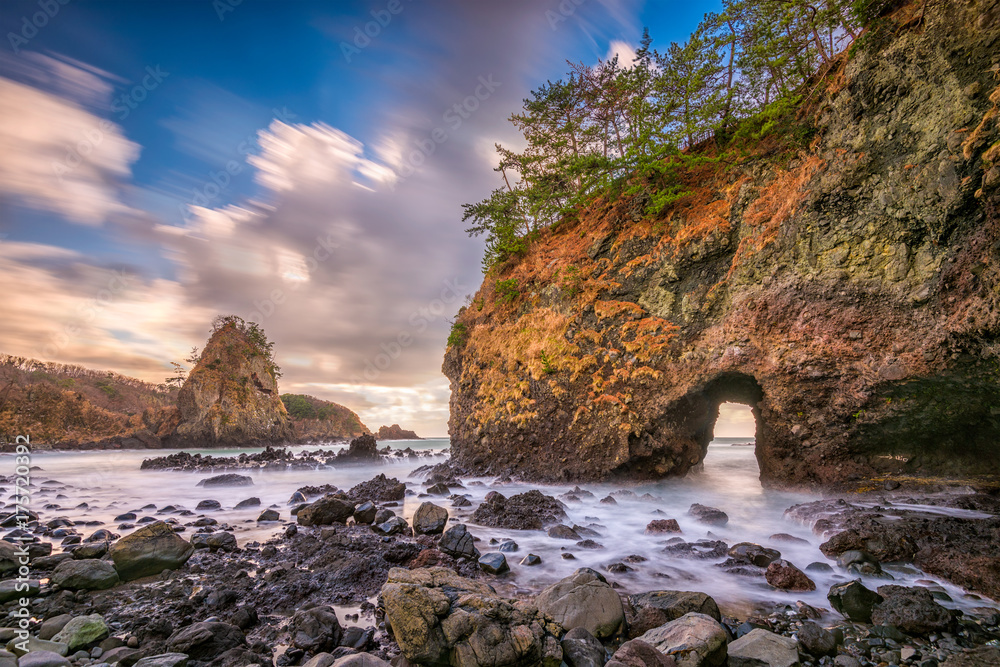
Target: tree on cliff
(616, 128)
(255, 336)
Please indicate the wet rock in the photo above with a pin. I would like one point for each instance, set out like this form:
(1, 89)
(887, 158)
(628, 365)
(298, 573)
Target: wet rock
(562, 532)
(249, 502)
(297, 498)
(457, 542)
(269, 515)
(853, 600)
(127, 516)
(761, 647)
(583, 600)
(984, 656)
(228, 479)
(582, 649)
(783, 575)
(85, 575)
(365, 513)
(460, 501)
(637, 653)
(359, 660)
(429, 519)
(912, 610)
(754, 554)
(438, 617)
(493, 563)
(700, 549)
(692, 640)
(708, 515)
(163, 660)
(646, 611)
(608, 500)
(394, 526)
(857, 561)
(787, 539)
(661, 526)
(363, 448)
(526, 511)
(531, 560)
(208, 505)
(316, 629)
(383, 515)
(325, 511)
(217, 541)
(819, 567)
(439, 489)
(43, 659)
(379, 488)
(51, 626)
(149, 550)
(589, 544)
(92, 550)
(12, 589)
(206, 640)
(508, 547)
(82, 631)
(817, 640)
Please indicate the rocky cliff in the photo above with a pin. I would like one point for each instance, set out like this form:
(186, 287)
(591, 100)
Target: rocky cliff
(231, 395)
(316, 420)
(841, 277)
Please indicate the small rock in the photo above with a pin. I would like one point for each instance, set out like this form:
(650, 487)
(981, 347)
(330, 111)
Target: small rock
(269, 515)
(493, 563)
(249, 502)
(708, 515)
(530, 560)
(228, 479)
(783, 575)
(761, 647)
(661, 526)
(429, 519)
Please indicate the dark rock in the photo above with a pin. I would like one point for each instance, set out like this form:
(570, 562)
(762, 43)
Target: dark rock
(208, 505)
(661, 526)
(206, 640)
(817, 640)
(583, 600)
(362, 448)
(249, 502)
(325, 511)
(708, 515)
(526, 511)
(85, 575)
(217, 541)
(92, 550)
(582, 649)
(365, 513)
(315, 629)
(912, 610)
(530, 560)
(754, 553)
(394, 526)
(853, 600)
(379, 488)
(429, 519)
(228, 479)
(508, 546)
(646, 611)
(700, 549)
(562, 532)
(637, 653)
(149, 550)
(493, 563)
(783, 575)
(269, 515)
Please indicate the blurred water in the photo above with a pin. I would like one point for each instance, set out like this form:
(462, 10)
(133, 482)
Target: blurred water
(111, 483)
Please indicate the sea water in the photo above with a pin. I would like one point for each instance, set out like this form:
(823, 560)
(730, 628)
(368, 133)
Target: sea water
(111, 483)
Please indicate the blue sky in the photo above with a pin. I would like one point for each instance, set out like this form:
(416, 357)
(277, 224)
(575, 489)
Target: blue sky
(170, 161)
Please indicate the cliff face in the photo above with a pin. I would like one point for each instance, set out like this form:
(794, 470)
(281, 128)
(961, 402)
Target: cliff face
(231, 396)
(314, 419)
(849, 291)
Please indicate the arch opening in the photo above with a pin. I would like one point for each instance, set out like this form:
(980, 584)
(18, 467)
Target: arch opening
(731, 427)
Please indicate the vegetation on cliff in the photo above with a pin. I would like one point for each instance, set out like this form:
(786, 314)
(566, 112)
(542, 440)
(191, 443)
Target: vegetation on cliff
(314, 418)
(832, 262)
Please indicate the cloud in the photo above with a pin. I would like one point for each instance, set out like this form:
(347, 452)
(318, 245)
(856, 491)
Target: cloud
(54, 154)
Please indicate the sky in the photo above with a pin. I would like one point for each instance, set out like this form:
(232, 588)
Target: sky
(299, 164)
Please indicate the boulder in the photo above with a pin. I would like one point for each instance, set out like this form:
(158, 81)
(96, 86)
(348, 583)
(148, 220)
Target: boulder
(438, 617)
(755, 554)
(583, 600)
(35, 645)
(149, 550)
(662, 526)
(359, 660)
(817, 640)
(92, 550)
(693, 640)
(11, 589)
(457, 542)
(325, 511)
(912, 610)
(853, 600)
(582, 649)
(320, 660)
(249, 502)
(561, 532)
(316, 630)
(163, 660)
(708, 515)
(365, 513)
(784, 576)
(8, 557)
(81, 631)
(206, 640)
(429, 519)
(646, 611)
(393, 526)
(379, 488)
(494, 563)
(762, 647)
(42, 659)
(637, 653)
(51, 626)
(228, 479)
(85, 575)
(531, 510)
(217, 541)
(208, 505)
(268, 515)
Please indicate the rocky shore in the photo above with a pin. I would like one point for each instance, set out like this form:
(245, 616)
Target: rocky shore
(345, 578)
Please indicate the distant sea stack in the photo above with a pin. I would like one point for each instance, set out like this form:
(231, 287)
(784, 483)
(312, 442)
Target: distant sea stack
(845, 284)
(231, 395)
(394, 432)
